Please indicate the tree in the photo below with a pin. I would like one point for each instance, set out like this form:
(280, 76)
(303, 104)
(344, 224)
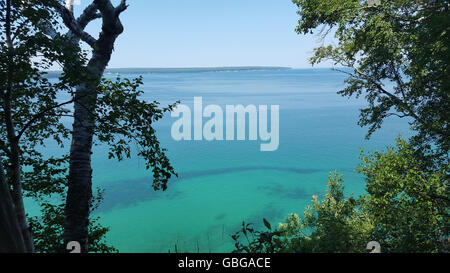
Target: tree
(80, 172)
(116, 120)
(408, 203)
(396, 54)
(11, 238)
(405, 209)
(30, 116)
(336, 224)
(29, 112)
(48, 228)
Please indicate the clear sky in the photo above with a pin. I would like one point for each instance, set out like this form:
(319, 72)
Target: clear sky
(204, 33)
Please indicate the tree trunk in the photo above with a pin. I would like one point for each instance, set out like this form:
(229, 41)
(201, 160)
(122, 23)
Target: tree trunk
(15, 167)
(79, 194)
(11, 238)
(17, 197)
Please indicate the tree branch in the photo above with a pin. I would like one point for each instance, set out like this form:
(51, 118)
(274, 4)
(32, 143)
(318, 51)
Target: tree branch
(73, 25)
(110, 13)
(40, 115)
(89, 14)
(121, 7)
(380, 88)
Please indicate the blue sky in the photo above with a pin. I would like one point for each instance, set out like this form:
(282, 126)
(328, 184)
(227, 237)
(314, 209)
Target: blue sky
(204, 33)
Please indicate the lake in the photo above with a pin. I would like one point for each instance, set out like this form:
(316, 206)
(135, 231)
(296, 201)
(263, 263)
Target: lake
(223, 183)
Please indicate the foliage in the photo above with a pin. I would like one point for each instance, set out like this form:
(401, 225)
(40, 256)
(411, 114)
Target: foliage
(396, 54)
(408, 203)
(398, 57)
(337, 223)
(31, 115)
(405, 210)
(31, 112)
(49, 227)
(26, 87)
(123, 118)
(36, 110)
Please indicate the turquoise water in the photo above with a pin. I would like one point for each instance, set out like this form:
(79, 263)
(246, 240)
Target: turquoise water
(224, 183)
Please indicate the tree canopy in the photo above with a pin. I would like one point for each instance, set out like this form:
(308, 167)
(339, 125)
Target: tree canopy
(36, 35)
(397, 56)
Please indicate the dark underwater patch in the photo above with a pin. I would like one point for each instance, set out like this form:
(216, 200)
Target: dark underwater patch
(132, 192)
(195, 174)
(286, 192)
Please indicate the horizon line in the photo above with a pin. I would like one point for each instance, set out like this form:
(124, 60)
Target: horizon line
(208, 67)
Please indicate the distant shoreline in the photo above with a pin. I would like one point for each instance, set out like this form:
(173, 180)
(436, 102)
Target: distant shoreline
(224, 69)
(142, 70)
(196, 69)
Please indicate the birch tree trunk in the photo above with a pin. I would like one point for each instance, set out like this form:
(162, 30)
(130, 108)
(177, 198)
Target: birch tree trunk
(80, 172)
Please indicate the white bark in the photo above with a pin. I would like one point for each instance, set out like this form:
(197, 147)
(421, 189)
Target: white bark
(80, 171)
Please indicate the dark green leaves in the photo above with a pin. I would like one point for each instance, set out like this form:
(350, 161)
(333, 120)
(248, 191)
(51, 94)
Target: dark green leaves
(405, 210)
(123, 119)
(396, 54)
